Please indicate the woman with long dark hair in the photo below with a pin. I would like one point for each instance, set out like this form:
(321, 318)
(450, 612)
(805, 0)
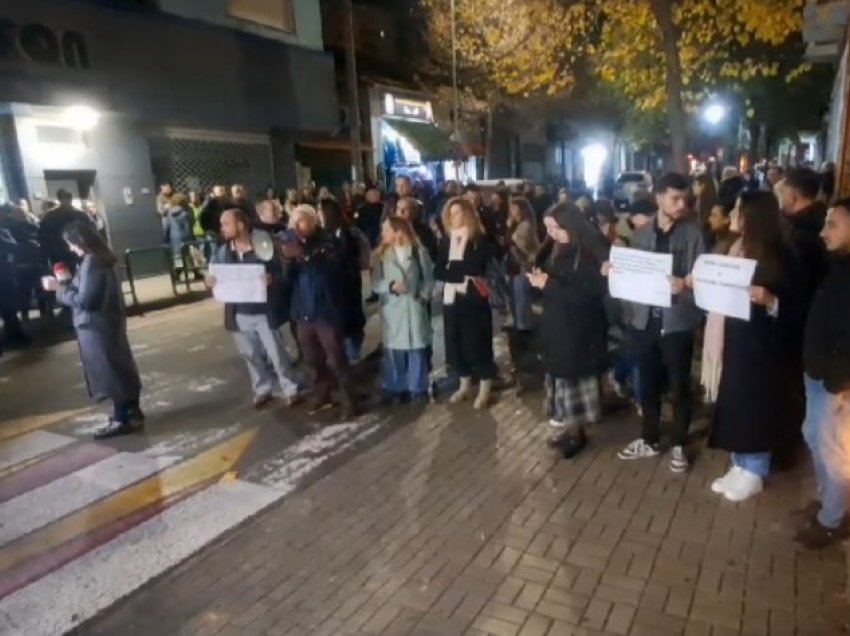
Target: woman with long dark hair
(96, 302)
(573, 327)
(705, 192)
(467, 317)
(351, 305)
(753, 385)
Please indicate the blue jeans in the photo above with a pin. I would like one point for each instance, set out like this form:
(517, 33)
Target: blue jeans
(826, 430)
(354, 348)
(755, 463)
(405, 371)
(521, 288)
(264, 352)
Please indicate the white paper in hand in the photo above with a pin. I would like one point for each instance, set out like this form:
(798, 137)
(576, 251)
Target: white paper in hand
(721, 285)
(640, 277)
(236, 283)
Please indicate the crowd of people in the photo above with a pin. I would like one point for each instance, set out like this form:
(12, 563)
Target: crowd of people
(779, 378)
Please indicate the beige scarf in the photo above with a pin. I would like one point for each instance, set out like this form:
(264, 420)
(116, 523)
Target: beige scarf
(712, 347)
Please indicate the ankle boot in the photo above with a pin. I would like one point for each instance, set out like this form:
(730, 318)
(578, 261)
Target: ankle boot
(483, 398)
(463, 391)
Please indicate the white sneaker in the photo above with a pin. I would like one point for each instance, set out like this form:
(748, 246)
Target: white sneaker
(720, 484)
(743, 485)
(556, 424)
(678, 460)
(638, 449)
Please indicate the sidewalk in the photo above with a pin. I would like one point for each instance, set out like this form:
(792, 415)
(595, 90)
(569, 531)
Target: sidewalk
(464, 523)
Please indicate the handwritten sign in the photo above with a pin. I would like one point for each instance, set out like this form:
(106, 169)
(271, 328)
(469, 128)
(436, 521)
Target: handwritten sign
(640, 277)
(721, 285)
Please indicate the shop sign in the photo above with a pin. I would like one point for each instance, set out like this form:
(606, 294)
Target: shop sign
(39, 44)
(407, 108)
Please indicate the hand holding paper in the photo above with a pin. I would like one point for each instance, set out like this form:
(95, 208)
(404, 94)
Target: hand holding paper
(239, 283)
(722, 285)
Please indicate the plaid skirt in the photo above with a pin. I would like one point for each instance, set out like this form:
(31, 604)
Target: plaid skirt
(573, 402)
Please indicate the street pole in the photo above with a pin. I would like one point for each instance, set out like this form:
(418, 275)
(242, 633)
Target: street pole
(456, 96)
(353, 94)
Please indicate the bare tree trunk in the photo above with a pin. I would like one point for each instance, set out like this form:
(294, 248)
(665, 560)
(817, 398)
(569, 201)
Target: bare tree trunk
(488, 144)
(663, 11)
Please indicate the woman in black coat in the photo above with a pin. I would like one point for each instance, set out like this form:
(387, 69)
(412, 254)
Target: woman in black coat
(350, 283)
(467, 319)
(573, 327)
(751, 398)
(94, 296)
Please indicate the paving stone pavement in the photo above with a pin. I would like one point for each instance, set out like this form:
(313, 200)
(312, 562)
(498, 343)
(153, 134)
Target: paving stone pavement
(465, 523)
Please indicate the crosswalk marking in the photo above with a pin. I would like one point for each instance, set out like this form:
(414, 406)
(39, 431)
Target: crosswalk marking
(197, 470)
(74, 593)
(40, 506)
(30, 446)
(24, 425)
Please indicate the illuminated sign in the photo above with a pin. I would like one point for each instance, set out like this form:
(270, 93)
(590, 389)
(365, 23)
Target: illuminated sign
(38, 44)
(406, 108)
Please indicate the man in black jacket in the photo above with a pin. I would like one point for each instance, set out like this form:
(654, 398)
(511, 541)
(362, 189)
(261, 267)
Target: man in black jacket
(827, 363)
(806, 215)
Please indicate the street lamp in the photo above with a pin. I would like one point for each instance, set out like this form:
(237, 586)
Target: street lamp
(714, 113)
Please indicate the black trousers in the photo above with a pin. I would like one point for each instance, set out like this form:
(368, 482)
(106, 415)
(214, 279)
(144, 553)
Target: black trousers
(665, 359)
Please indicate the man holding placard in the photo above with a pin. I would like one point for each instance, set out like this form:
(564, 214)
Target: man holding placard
(664, 314)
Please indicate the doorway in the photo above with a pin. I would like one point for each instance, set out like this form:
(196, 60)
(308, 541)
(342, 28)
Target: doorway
(80, 183)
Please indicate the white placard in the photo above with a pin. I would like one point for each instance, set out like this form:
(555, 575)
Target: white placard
(239, 283)
(721, 285)
(641, 277)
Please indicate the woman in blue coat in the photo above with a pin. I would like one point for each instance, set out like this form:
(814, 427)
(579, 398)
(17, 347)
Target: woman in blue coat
(95, 299)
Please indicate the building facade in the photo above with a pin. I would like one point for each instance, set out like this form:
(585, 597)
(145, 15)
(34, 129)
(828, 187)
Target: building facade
(109, 99)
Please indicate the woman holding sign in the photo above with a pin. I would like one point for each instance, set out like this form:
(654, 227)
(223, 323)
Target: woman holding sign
(752, 383)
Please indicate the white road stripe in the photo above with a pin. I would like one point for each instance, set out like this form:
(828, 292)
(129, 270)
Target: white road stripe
(40, 506)
(30, 446)
(79, 590)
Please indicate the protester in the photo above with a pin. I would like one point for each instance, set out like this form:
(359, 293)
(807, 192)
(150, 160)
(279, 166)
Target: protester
(314, 271)
(467, 318)
(522, 251)
(369, 216)
(774, 175)
(353, 319)
(752, 353)
(9, 292)
(163, 200)
(405, 281)
(179, 230)
(827, 365)
(410, 210)
(211, 211)
(96, 302)
(195, 204)
(256, 326)
(574, 357)
(720, 234)
(664, 336)
(705, 192)
(52, 227)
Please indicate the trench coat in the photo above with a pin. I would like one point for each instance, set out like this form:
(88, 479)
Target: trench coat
(405, 319)
(94, 297)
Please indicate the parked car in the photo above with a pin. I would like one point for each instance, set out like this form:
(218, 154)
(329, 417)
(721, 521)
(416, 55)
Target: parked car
(629, 186)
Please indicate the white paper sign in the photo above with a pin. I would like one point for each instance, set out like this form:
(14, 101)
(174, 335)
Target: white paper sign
(235, 283)
(641, 277)
(721, 285)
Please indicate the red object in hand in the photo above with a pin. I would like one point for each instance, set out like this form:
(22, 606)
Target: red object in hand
(61, 272)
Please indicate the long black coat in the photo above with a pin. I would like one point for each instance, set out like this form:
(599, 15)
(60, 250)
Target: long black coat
(468, 322)
(94, 296)
(752, 400)
(351, 283)
(573, 323)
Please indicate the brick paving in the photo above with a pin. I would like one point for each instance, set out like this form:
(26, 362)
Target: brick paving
(464, 523)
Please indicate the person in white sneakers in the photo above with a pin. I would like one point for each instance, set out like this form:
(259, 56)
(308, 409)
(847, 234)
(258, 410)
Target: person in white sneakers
(753, 383)
(664, 336)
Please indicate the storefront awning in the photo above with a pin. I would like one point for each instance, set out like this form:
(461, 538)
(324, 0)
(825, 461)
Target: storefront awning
(431, 142)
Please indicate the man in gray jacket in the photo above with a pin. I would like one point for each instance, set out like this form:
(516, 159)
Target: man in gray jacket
(664, 336)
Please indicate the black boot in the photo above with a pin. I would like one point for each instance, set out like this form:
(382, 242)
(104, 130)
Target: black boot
(114, 429)
(569, 444)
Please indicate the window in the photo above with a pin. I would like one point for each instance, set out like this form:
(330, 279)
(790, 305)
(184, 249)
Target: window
(275, 14)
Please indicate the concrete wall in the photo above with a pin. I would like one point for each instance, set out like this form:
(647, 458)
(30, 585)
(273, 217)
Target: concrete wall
(308, 19)
(117, 152)
(171, 71)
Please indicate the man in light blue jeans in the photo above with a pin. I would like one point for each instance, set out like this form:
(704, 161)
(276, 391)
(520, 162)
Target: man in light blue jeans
(826, 357)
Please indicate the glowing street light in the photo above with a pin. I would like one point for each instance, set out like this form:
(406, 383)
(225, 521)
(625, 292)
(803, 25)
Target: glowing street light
(714, 113)
(594, 156)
